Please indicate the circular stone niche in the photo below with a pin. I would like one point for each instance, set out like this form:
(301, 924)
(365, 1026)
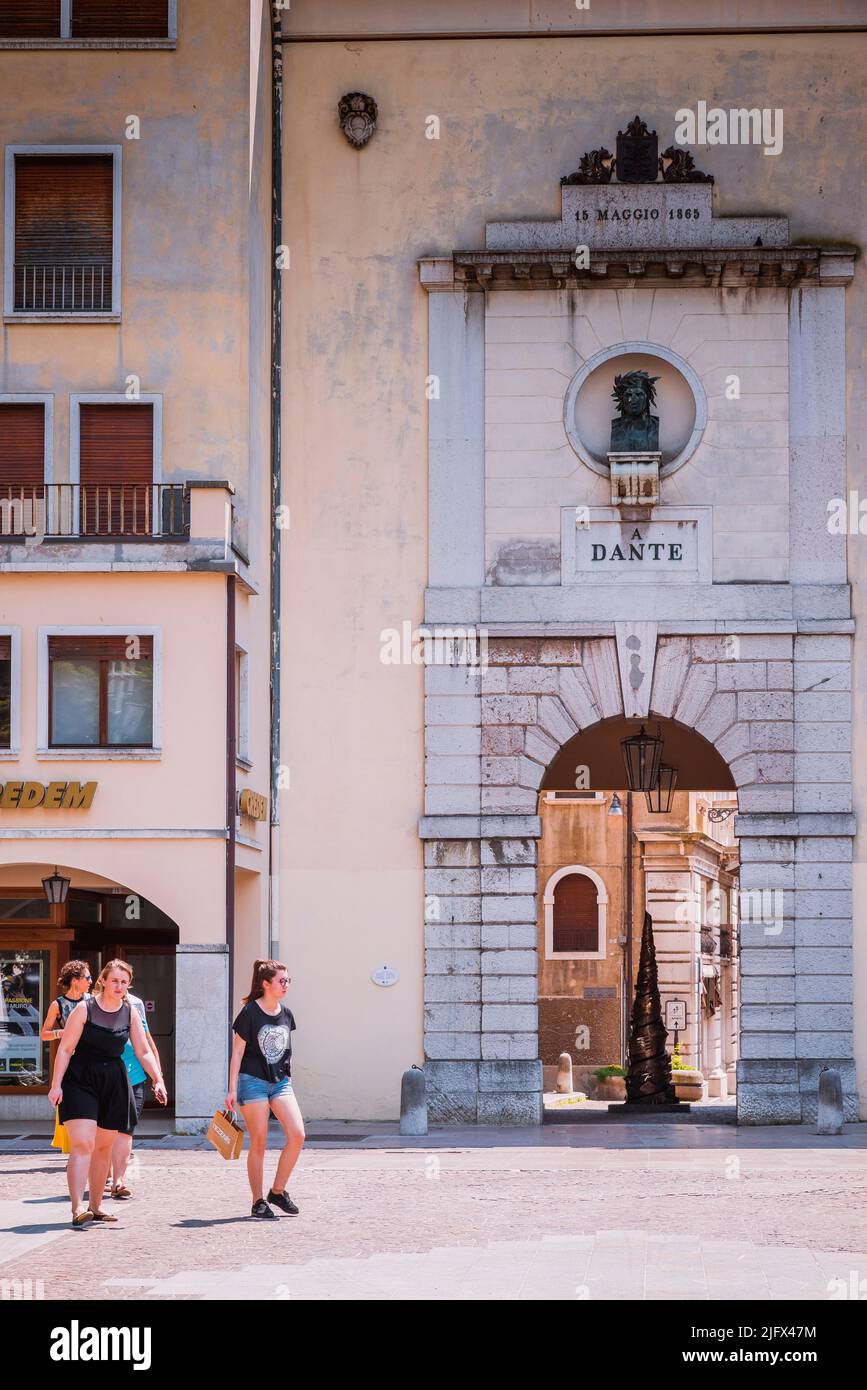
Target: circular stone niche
(680, 404)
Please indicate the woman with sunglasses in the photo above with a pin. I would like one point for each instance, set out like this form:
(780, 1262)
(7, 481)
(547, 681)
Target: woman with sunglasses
(73, 983)
(259, 1081)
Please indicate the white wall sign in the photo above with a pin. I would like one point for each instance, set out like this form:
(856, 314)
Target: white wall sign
(673, 547)
(384, 975)
(675, 1014)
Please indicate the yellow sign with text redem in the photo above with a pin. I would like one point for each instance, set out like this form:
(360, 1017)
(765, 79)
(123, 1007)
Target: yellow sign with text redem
(56, 796)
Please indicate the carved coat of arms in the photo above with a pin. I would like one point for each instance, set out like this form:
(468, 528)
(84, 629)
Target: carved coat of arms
(637, 153)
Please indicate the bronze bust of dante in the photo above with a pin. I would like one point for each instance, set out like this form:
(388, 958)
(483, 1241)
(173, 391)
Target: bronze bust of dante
(635, 430)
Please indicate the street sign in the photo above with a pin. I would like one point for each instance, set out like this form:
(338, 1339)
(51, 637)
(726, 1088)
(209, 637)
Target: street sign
(675, 1014)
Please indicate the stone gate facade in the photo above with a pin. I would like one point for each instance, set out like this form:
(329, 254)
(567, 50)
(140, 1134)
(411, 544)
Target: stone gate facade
(732, 580)
(775, 713)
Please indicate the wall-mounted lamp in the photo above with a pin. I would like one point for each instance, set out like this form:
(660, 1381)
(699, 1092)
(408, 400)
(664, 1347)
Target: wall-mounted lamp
(56, 888)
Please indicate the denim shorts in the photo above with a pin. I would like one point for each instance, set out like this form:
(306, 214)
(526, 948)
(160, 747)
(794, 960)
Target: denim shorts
(251, 1088)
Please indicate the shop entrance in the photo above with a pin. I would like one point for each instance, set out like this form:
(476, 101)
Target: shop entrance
(117, 924)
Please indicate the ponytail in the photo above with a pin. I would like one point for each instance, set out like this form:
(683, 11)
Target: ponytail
(262, 970)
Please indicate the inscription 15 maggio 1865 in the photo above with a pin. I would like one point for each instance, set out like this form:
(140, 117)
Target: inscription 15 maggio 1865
(638, 214)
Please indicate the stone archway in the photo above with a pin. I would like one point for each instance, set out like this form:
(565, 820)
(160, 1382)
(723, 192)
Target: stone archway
(738, 692)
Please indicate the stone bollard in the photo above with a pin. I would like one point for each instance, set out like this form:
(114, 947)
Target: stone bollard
(830, 1113)
(564, 1075)
(413, 1102)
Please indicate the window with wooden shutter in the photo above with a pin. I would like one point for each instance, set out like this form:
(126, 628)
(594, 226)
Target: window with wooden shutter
(120, 19)
(22, 442)
(116, 469)
(29, 19)
(100, 691)
(576, 914)
(64, 226)
(5, 691)
(22, 464)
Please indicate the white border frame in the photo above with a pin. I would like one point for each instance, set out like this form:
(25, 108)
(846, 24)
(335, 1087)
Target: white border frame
(601, 909)
(13, 752)
(87, 753)
(689, 375)
(10, 314)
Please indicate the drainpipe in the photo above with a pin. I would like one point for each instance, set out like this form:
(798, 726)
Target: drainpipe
(276, 471)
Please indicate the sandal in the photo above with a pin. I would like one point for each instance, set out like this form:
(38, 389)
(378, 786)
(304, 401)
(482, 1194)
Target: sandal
(82, 1218)
(101, 1216)
(119, 1192)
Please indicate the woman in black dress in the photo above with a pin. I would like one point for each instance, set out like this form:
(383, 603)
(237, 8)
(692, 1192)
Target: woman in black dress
(91, 1085)
(73, 983)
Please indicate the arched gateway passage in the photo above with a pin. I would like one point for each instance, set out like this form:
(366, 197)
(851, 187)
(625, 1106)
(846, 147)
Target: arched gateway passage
(544, 706)
(606, 856)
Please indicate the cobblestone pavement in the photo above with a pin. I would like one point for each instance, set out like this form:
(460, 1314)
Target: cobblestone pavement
(592, 1211)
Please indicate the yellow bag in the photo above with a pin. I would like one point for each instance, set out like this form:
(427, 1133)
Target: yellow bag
(60, 1139)
(226, 1134)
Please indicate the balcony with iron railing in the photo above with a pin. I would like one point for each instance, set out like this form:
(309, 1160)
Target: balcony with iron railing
(95, 511)
(63, 289)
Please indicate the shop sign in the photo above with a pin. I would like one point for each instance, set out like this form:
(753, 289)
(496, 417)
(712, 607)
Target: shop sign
(253, 804)
(56, 796)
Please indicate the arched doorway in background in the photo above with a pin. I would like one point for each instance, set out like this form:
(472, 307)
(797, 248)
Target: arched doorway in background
(606, 856)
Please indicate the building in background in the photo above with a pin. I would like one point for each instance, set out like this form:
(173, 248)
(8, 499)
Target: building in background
(684, 873)
(134, 535)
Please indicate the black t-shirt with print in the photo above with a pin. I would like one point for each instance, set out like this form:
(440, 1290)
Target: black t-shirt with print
(269, 1041)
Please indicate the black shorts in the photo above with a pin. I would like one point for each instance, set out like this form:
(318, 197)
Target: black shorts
(100, 1091)
(138, 1095)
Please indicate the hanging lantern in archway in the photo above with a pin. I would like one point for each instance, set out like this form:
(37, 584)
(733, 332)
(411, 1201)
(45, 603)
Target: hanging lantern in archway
(56, 888)
(642, 754)
(661, 795)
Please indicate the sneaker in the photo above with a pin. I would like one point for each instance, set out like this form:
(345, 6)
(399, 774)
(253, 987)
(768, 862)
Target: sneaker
(283, 1201)
(262, 1209)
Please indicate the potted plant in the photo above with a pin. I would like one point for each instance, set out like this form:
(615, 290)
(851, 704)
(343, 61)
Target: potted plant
(688, 1083)
(610, 1083)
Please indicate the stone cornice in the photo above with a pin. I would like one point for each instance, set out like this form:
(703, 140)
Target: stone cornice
(757, 267)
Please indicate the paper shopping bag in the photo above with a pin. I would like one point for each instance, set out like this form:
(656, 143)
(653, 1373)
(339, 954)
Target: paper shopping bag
(226, 1135)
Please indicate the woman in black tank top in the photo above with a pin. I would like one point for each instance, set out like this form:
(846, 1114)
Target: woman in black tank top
(73, 983)
(91, 1085)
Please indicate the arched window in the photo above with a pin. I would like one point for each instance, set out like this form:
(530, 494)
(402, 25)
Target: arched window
(576, 905)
